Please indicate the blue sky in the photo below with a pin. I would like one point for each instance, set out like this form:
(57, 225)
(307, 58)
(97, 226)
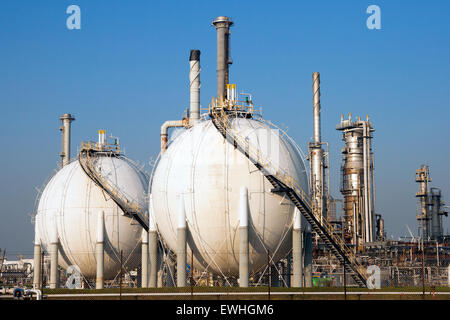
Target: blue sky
(126, 71)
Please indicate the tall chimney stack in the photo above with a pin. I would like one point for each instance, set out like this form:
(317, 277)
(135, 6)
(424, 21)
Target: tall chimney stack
(66, 119)
(316, 154)
(316, 106)
(194, 86)
(222, 25)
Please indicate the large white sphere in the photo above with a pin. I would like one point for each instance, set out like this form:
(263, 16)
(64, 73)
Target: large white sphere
(209, 172)
(72, 201)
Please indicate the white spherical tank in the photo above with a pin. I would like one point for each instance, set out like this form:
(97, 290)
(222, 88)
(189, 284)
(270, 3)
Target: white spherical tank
(70, 204)
(208, 172)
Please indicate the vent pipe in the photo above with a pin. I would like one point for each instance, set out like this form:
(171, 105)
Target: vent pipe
(222, 25)
(316, 106)
(66, 119)
(194, 86)
(317, 157)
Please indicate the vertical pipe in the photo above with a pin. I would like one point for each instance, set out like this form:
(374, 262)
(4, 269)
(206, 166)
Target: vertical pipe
(194, 86)
(316, 107)
(222, 25)
(54, 258)
(297, 250)
(153, 247)
(316, 152)
(181, 244)
(37, 260)
(243, 239)
(100, 251)
(369, 183)
(366, 185)
(144, 259)
(66, 119)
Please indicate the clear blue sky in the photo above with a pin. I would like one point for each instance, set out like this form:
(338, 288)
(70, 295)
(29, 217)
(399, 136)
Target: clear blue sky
(126, 71)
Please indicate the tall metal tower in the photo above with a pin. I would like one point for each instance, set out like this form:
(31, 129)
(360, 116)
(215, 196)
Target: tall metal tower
(430, 207)
(317, 156)
(423, 214)
(357, 185)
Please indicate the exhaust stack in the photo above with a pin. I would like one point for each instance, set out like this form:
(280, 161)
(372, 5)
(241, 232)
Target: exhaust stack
(222, 25)
(194, 86)
(66, 119)
(316, 154)
(316, 106)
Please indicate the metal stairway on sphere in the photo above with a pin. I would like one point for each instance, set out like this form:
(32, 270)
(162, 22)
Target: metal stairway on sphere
(129, 207)
(285, 183)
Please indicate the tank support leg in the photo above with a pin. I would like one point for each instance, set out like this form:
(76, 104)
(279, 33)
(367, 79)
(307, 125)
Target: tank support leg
(54, 265)
(144, 259)
(37, 265)
(181, 244)
(297, 250)
(100, 251)
(153, 250)
(243, 239)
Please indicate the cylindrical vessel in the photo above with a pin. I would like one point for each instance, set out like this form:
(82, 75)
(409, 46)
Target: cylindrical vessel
(210, 171)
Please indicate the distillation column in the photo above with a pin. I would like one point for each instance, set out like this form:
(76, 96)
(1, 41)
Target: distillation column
(423, 216)
(243, 239)
(100, 251)
(357, 181)
(222, 25)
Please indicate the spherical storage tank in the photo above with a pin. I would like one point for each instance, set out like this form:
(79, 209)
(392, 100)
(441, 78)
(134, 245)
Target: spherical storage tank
(208, 172)
(71, 203)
